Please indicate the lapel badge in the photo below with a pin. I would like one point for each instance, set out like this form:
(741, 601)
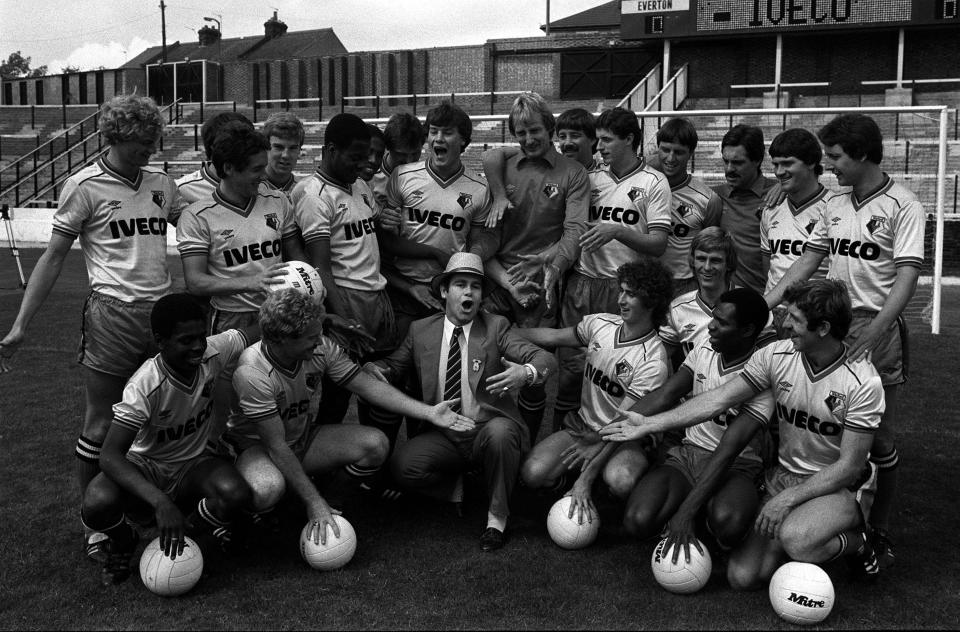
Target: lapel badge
(476, 365)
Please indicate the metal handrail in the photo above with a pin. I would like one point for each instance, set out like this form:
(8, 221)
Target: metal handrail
(50, 141)
(647, 79)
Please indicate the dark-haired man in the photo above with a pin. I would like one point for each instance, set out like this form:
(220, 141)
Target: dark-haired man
(200, 184)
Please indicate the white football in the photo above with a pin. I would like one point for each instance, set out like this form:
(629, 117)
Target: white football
(302, 277)
(171, 578)
(566, 532)
(801, 593)
(336, 553)
(681, 577)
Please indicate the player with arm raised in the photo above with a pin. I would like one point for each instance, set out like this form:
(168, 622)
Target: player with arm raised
(625, 360)
(279, 382)
(786, 227)
(155, 455)
(729, 502)
(873, 235)
(119, 208)
(828, 407)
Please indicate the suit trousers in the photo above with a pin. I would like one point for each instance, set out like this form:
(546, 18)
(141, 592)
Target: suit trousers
(430, 463)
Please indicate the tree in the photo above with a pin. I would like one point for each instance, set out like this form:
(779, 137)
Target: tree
(17, 66)
(66, 70)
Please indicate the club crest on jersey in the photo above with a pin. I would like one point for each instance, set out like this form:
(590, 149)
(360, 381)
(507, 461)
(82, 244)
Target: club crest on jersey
(683, 210)
(465, 200)
(784, 386)
(366, 200)
(836, 402)
(313, 380)
(876, 224)
(551, 190)
(623, 370)
(809, 228)
(159, 197)
(207, 389)
(637, 194)
(273, 221)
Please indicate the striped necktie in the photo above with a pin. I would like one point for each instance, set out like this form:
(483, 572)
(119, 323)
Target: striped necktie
(451, 386)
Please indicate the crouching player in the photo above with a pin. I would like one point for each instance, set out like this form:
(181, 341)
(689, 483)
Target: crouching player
(738, 319)
(828, 407)
(625, 360)
(278, 383)
(155, 454)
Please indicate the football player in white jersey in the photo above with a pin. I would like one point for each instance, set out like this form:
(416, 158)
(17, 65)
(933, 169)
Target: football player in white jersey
(403, 136)
(786, 227)
(119, 208)
(200, 184)
(713, 259)
(629, 217)
(828, 407)
(375, 161)
(691, 207)
(279, 385)
(625, 360)
(729, 502)
(284, 133)
(873, 235)
(155, 455)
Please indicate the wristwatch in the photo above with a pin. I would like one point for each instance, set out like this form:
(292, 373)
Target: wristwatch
(531, 373)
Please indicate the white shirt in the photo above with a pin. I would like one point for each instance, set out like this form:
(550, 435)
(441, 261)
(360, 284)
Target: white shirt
(468, 401)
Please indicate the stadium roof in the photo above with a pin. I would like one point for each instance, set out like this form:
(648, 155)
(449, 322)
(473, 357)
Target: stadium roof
(604, 17)
(289, 45)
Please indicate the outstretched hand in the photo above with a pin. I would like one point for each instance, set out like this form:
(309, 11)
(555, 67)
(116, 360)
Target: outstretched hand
(626, 426)
(442, 415)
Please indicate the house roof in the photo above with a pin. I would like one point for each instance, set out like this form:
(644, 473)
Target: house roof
(290, 45)
(603, 17)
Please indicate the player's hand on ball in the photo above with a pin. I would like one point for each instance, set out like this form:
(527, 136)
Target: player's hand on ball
(321, 515)
(266, 280)
(681, 535)
(581, 502)
(170, 523)
(442, 415)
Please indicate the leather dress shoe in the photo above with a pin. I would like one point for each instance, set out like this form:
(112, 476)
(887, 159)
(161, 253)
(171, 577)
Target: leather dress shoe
(492, 539)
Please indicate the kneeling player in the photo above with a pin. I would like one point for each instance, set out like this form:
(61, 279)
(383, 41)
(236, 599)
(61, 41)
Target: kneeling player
(738, 319)
(829, 409)
(278, 382)
(155, 452)
(625, 360)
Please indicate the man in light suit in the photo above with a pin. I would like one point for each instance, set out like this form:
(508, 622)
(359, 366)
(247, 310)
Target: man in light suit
(476, 357)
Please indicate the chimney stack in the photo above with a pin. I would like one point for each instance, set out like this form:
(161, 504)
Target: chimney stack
(274, 27)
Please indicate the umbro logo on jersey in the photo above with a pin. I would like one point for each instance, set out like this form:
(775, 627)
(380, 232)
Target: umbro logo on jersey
(272, 220)
(688, 328)
(835, 220)
(551, 190)
(636, 193)
(114, 204)
(623, 369)
(164, 414)
(596, 346)
(811, 226)
(159, 197)
(342, 208)
(701, 377)
(465, 200)
(876, 224)
(226, 234)
(784, 385)
(774, 224)
(417, 193)
(595, 192)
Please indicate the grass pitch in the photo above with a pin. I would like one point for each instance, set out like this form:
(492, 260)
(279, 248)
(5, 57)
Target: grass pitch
(417, 565)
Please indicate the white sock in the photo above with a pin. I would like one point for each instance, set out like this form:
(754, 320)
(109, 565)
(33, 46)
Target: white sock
(497, 522)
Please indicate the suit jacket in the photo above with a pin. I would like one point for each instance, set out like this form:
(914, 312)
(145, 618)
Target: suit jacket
(491, 338)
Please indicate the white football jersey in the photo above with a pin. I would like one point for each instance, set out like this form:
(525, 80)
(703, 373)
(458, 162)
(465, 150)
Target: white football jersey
(639, 201)
(171, 417)
(237, 242)
(266, 389)
(122, 226)
(868, 240)
(709, 372)
(784, 231)
(198, 185)
(688, 216)
(435, 212)
(687, 321)
(345, 214)
(815, 408)
(286, 189)
(615, 368)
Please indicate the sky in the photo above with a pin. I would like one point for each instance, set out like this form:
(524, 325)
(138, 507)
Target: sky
(89, 34)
